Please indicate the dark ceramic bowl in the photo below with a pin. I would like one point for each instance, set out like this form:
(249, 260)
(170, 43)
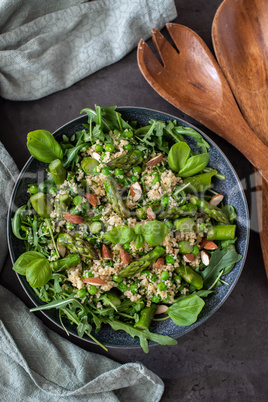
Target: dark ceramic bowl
(231, 188)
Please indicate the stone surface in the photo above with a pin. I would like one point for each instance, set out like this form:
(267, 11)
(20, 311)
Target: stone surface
(225, 359)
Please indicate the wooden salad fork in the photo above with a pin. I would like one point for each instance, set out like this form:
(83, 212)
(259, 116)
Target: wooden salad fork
(191, 79)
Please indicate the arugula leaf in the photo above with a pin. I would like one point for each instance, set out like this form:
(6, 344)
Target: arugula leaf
(220, 259)
(200, 142)
(71, 153)
(185, 311)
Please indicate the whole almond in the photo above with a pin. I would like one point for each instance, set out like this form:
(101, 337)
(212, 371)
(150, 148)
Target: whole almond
(210, 245)
(125, 257)
(216, 200)
(106, 253)
(150, 213)
(203, 242)
(95, 281)
(92, 199)
(135, 191)
(160, 262)
(72, 218)
(161, 309)
(154, 161)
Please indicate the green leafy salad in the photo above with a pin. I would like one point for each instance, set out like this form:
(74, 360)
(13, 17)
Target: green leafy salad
(126, 228)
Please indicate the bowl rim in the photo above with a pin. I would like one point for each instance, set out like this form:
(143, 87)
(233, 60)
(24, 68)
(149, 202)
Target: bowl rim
(231, 287)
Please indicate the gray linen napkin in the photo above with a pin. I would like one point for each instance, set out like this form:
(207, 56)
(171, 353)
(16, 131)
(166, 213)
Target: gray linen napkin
(46, 46)
(38, 365)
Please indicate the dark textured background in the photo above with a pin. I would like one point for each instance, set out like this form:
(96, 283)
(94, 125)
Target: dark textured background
(225, 359)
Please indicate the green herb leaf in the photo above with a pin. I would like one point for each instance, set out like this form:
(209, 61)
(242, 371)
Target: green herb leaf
(178, 156)
(155, 232)
(220, 259)
(43, 146)
(185, 311)
(38, 272)
(120, 235)
(194, 165)
(16, 222)
(25, 259)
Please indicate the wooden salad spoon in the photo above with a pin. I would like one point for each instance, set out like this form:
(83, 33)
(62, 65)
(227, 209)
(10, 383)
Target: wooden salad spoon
(192, 81)
(240, 40)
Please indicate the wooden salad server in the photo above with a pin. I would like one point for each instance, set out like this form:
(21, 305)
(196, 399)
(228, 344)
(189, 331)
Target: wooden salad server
(192, 81)
(240, 40)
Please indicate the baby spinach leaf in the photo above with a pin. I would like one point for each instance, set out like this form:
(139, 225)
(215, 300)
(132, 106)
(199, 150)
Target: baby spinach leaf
(185, 311)
(220, 259)
(38, 272)
(155, 232)
(178, 156)
(194, 165)
(120, 235)
(200, 182)
(43, 146)
(25, 259)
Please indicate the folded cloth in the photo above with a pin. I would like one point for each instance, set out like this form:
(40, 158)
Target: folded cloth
(46, 46)
(39, 365)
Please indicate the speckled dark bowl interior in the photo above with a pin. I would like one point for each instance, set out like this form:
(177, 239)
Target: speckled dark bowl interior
(230, 187)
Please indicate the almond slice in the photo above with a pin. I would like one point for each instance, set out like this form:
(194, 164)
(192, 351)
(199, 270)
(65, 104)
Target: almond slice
(210, 245)
(203, 242)
(150, 213)
(95, 281)
(96, 156)
(160, 262)
(106, 253)
(188, 257)
(125, 257)
(205, 258)
(135, 191)
(73, 218)
(161, 309)
(154, 161)
(61, 249)
(92, 199)
(216, 200)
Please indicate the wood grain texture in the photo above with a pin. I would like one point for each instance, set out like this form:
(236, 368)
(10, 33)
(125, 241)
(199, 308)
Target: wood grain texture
(240, 40)
(191, 79)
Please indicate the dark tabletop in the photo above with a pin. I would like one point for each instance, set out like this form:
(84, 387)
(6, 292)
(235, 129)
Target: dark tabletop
(224, 359)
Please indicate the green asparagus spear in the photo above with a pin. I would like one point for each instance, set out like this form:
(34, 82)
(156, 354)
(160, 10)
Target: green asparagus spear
(57, 171)
(127, 161)
(41, 205)
(146, 316)
(190, 276)
(211, 210)
(177, 212)
(77, 246)
(221, 232)
(142, 263)
(115, 198)
(71, 260)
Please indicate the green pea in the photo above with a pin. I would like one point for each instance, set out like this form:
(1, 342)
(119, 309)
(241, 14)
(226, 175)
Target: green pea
(92, 289)
(117, 278)
(195, 250)
(106, 171)
(161, 286)
(69, 226)
(170, 259)
(177, 279)
(52, 190)
(103, 155)
(98, 148)
(77, 200)
(137, 169)
(164, 275)
(185, 247)
(127, 147)
(88, 274)
(126, 246)
(133, 178)
(95, 170)
(69, 290)
(122, 287)
(128, 134)
(81, 293)
(169, 224)
(33, 188)
(153, 277)
(95, 227)
(119, 172)
(109, 147)
(134, 288)
(155, 299)
(166, 299)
